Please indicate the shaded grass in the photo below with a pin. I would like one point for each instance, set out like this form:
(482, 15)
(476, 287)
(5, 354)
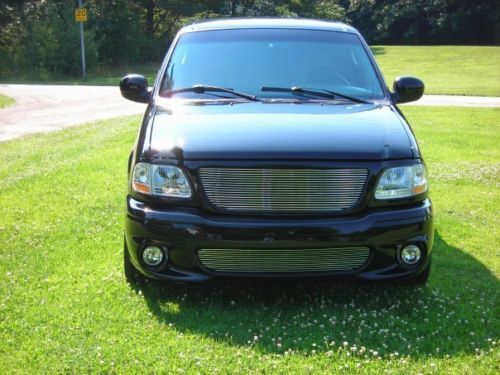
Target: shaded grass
(65, 306)
(5, 101)
(102, 77)
(456, 70)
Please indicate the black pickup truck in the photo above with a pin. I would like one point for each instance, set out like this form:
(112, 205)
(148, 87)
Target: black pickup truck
(273, 148)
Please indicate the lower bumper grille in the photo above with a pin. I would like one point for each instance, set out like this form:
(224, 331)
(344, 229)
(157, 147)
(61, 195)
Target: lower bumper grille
(284, 260)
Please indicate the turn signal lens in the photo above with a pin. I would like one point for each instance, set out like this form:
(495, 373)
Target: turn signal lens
(141, 181)
(402, 182)
(419, 179)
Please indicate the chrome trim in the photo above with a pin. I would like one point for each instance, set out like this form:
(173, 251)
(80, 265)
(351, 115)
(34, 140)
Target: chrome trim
(338, 259)
(283, 190)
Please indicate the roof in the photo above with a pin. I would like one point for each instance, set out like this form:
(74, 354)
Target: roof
(268, 23)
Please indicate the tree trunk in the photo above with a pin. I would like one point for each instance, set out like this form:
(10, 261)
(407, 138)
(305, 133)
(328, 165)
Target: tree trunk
(234, 4)
(150, 13)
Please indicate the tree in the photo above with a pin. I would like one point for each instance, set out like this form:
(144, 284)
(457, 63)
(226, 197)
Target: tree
(40, 37)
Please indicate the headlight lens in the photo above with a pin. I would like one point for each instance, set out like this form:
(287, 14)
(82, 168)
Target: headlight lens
(402, 182)
(160, 180)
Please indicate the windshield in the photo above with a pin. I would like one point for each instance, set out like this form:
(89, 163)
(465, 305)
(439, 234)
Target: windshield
(248, 59)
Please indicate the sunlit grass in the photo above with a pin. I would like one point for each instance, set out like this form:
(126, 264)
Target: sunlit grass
(456, 70)
(5, 101)
(65, 306)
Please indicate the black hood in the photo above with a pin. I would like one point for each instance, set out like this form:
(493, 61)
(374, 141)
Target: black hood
(284, 131)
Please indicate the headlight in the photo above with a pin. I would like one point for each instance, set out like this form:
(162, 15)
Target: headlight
(161, 180)
(402, 182)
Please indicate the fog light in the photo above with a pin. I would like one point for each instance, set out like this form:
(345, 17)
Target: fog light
(411, 254)
(152, 255)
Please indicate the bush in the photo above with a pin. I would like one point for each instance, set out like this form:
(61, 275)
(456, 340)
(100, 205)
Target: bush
(45, 41)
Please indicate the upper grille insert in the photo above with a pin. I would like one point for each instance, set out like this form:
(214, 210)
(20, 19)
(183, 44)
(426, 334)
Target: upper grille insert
(283, 190)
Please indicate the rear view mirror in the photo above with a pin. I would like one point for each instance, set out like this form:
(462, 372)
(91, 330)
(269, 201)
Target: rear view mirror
(407, 89)
(135, 87)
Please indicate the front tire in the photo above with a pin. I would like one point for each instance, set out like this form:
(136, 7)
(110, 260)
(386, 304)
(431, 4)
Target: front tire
(131, 274)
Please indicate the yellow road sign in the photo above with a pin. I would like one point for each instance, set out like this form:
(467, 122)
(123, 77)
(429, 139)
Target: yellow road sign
(81, 15)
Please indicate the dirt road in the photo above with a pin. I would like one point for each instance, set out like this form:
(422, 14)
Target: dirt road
(42, 108)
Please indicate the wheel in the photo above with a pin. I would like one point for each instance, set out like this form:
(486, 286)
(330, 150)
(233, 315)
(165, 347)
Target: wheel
(131, 274)
(421, 278)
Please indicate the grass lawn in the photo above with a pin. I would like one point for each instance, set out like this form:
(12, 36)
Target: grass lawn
(111, 77)
(104, 77)
(65, 306)
(456, 70)
(5, 101)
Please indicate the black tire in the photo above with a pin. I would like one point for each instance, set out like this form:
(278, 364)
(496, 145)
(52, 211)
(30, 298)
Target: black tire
(421, 278)
(131, 274)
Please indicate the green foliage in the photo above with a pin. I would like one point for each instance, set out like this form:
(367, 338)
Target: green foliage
(427, 21)
(329, 10)
(44, 40)
(39, 38)
(118, 29)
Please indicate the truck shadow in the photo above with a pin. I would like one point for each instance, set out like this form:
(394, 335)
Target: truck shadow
(453, 314)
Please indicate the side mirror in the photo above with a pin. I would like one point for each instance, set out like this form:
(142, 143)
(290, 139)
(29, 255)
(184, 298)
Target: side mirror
(135, 87)
(407, 89)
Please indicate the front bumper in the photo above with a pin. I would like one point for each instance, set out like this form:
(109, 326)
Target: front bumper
(184, 231)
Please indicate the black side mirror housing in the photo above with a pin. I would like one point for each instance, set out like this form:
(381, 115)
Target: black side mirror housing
(135, 87)
(407, 89)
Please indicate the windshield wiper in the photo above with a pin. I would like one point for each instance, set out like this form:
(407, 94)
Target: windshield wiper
(316, 92)
(200, 89)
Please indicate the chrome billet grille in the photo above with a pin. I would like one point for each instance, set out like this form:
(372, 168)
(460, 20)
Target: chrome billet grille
(336, 259)
(283, 190)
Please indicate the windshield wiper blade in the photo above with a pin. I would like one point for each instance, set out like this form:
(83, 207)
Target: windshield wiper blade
(200, 89)
(316, 92)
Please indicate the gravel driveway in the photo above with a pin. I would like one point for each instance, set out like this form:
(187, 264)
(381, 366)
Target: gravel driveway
(42, 108)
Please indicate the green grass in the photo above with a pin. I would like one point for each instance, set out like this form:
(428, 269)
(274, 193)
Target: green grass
(102, 77)
(456, 70)
(65, 306)
(5, 101)
(111, 77)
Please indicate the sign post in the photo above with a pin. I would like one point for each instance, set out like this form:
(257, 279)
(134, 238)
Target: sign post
(81, 17)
